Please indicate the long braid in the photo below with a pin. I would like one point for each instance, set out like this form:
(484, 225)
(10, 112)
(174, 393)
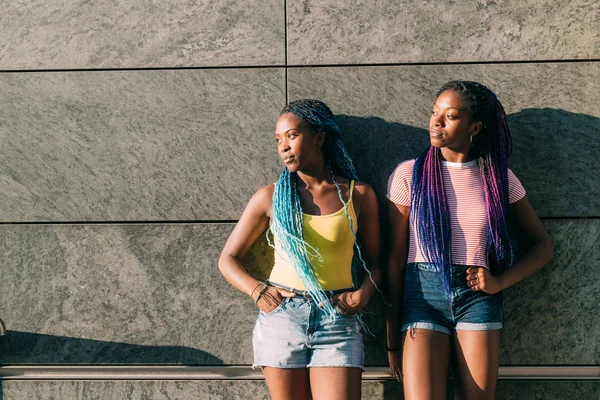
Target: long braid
(494, 170)
(430, 212)
(492, 147)
(287, 228)
(286, 202)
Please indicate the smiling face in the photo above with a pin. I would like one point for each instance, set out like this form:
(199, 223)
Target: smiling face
(450, 124)
(297, 145)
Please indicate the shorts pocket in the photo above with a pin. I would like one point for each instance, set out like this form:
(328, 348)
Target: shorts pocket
(339, 313)
(278, 308)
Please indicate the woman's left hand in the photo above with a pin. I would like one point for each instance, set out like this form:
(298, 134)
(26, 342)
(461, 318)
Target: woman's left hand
(480, 279)
(348, 303)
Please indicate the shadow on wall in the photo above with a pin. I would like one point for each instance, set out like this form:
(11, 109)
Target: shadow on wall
(555, 155)
(377, 146)
(34, 348)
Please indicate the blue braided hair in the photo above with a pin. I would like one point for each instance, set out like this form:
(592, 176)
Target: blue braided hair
(287, 226)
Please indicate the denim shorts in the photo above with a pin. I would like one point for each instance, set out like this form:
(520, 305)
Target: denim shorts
(297, 334)
(427, 306)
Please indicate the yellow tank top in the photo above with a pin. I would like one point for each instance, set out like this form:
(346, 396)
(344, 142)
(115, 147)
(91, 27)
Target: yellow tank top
(331, 235)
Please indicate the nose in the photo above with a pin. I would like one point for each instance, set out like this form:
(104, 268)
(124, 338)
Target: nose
(283, 146)
(437, 120)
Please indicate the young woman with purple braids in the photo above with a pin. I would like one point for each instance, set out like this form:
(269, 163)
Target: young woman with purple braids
(451, 211)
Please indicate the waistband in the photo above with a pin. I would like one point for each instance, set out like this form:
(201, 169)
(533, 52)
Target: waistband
(305, 293)
(455, 268)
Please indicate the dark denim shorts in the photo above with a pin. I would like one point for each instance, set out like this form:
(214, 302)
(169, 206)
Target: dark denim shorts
(427, 306)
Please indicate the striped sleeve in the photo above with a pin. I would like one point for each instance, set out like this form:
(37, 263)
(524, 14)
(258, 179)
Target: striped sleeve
(516, 191)
(399, 183)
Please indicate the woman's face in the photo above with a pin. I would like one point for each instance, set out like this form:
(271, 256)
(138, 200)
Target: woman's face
(297, 146)
(450, 123)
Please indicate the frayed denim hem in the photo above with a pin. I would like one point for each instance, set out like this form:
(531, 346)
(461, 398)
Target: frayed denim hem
(487, 326)
(426, 325)
(361, 367)
(288, 366)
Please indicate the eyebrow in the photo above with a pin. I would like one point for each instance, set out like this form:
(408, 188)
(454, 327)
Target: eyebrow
(283, 133)
(456, 108)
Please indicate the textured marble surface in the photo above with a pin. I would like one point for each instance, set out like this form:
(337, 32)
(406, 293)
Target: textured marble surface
(195, 144)
(122, 294)
(143, 293)
(225, 390)
(559, 304)
(505, 390)
(127, 390)
(136, 145)
(132, 34)
(554, 112)
(360, 31)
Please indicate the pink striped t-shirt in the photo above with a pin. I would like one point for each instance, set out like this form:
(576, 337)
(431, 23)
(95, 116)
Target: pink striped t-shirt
(466, 203)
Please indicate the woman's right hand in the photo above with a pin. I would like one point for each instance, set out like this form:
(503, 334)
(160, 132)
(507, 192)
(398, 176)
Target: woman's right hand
(395, 360)
(271, 298)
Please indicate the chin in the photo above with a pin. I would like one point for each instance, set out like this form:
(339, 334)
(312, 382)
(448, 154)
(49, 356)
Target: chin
(437, 143)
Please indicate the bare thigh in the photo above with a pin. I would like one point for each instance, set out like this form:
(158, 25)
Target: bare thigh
(477, 361)
(425, 359)
(335, 383)
(287, 384)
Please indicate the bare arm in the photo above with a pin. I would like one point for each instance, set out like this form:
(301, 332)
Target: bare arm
(523, 218)
(398, 254)
(369, 238)
(526, 220)
(251, 225)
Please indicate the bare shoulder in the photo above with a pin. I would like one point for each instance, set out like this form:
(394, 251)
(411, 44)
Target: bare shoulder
(363, 189)
(265, 192)
(261, 202)
(365, 198)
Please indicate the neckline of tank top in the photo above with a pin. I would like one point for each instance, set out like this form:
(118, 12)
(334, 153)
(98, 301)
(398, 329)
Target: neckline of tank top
(459, 164)
(329, 215)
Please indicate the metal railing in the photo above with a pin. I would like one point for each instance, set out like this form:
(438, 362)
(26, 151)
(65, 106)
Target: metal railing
(137, 372)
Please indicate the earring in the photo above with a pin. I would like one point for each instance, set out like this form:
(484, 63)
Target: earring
(471, 138)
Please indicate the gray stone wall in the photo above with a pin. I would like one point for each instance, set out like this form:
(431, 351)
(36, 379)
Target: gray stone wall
(133, 133)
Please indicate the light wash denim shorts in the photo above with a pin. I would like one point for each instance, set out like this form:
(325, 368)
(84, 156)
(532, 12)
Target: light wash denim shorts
(427, 306)
(297, 334)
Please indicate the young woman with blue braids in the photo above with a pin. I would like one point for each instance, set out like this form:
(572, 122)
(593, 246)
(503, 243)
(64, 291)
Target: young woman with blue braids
(451, 212)
(307, 336)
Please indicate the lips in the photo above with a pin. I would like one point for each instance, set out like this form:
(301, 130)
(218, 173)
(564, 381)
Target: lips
(288, 159)
(434, 133)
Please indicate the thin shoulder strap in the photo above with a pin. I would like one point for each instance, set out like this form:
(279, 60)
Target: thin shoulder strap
(351, 190)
